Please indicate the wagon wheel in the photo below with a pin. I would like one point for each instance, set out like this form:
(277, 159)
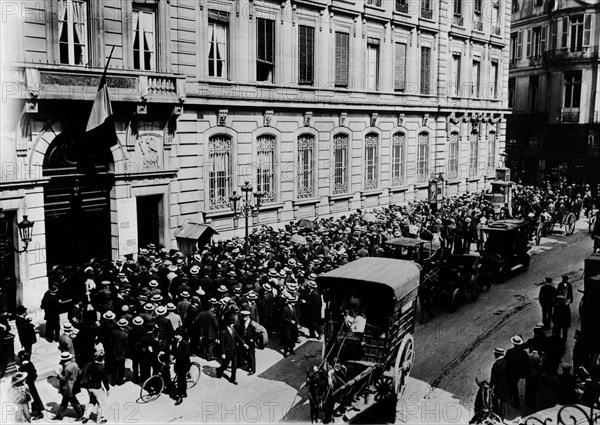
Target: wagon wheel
(474, 288)
(570, 224)
(384, 388)
(455, 300)
(404, 362)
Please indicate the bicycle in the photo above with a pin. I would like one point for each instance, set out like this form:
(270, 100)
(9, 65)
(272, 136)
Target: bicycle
(153, 387)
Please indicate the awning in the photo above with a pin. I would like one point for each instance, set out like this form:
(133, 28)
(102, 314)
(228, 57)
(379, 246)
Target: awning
(191, 234)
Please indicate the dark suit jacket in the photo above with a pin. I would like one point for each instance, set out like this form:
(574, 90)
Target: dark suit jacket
(228, 342)
(50, 305)
(181, 354)
(26, 331)
(120, 345)
(208, 325)
(166, 326)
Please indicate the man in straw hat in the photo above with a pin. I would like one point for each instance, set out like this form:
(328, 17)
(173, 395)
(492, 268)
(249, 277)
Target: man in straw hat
(289, 326)
(37, 406)
(18, 394)
(228, 338)
(120, 351)
(67, 374)
(98, 388)
(65, 342)
(517, 366)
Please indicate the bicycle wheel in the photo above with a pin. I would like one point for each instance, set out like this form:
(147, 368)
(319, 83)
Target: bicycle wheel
(151, 388)
(570, 224)
(193, 376)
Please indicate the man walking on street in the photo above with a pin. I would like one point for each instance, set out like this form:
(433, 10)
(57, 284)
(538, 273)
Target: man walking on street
(246, 334)
(546, 299)
(67, 376)
(120, 351)
(562, 317)
(565, 288)
(37, 406)
(228, 338)
(98, 388)
(25, 329)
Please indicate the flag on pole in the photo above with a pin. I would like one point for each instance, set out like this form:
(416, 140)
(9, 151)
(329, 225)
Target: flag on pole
(100, 127)
(101, 110)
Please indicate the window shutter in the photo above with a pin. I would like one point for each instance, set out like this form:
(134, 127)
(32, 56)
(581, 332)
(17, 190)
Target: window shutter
(269, 39)
(218, 16)
(564, 32)
(543, 39)
(341, 58)
(306, 54)
(519, 44)
(425, 70)
(587, 29)
(528, 48)
(400, 67)
(261, 47)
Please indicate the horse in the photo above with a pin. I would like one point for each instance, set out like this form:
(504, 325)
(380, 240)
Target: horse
(322, 382)
(428, 295)
(484, 404)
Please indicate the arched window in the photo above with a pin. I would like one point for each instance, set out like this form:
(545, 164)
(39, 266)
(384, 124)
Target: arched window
(265, 172)
(219, 171)
(371, 161)
(473, 153)
(422, 157)
(340, 165)
(491, 152)
(398, 148)
(306, 158)
(453, 156)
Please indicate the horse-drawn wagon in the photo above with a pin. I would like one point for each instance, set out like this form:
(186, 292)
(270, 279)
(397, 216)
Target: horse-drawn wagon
(368, 347)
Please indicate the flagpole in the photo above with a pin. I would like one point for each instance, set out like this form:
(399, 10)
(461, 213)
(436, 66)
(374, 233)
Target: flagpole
(108, 61)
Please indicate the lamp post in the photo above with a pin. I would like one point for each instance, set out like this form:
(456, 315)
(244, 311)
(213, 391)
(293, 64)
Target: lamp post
(7, 246)
(243, 206)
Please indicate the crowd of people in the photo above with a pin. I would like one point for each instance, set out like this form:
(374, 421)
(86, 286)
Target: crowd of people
(229, 298)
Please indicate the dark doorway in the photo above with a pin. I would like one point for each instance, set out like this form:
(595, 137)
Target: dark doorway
(8, 278)
(149, 213)
(77, 201)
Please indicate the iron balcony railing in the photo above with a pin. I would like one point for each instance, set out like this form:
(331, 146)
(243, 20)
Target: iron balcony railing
(426, 13)
(458, 20)
(478, 25)
(496, 30)
(569, 116)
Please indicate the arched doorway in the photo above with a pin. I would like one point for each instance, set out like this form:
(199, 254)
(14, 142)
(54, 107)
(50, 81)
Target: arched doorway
(77, 201)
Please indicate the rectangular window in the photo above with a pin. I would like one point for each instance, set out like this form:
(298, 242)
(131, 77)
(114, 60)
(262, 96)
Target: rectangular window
(553, 34)
(564, 32)
(371, 161)
(218, 23)
(144, 39)
(422, 157)
(398, 147)
(528, 43)
(265, 47)
(306, 146)
(426, 9)
(511, 92)
(496, 17)
(491, 153)
(477, 5)
(342, 53)
(513, 47)
(587, 29)
(340, 166)
(572, 89)
(494, 80)
(219, 171)
(400, 67)
(534, 88)
(473, 153)
(372, 63)
(402, 6)
(265, 172)
(453, 156)
(73, 32)
(306, 60)
(374, 2)
(577, 33)
(520, 44)
(455, 89)
(536, 41)
(458, 7)
(475, 79)
(425, 70)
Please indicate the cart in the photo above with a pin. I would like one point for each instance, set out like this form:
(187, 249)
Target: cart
(368, 346)
(566, 222)
(459, 279)
(414, 249)
(505, 248)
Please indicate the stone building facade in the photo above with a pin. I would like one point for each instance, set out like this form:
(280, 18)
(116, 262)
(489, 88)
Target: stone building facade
(554, 91)
(324, 105)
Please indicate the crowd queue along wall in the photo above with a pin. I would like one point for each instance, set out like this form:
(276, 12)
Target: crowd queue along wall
(590, 312)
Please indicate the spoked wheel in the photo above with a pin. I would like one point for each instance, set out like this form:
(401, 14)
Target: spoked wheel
(404, 362)
(570, 224)
(455, 300)
(151, 388)
(193, 376)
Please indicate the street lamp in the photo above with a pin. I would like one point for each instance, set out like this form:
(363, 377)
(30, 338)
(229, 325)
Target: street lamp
(244, 207)
(25, 229)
